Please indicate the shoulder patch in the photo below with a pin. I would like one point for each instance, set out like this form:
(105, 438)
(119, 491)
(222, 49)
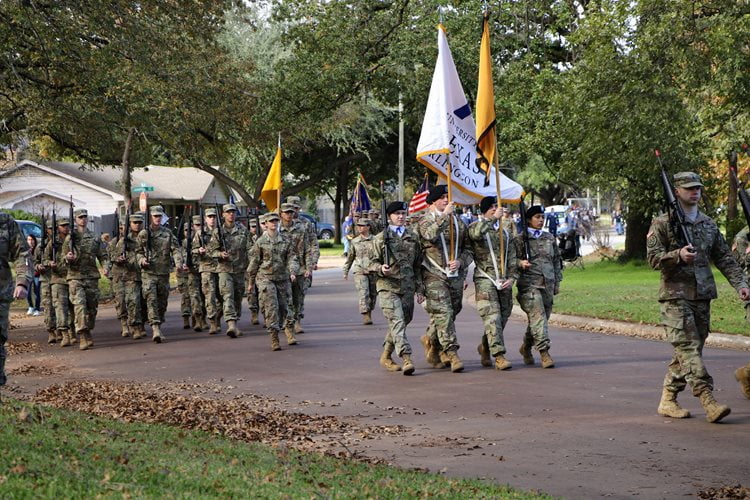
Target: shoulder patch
(651, 240)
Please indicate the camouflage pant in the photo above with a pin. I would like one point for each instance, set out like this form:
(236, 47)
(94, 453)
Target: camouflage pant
(156, 293)
(252, 299)
(209, 283)
(687, 323)
(119, 289)
(273, 302)
(443, 304)
(307, 283)
(231, 287)
(63, 306)
(183, 286)
(196, 294)
(133, 302)
(48, 305)
(537, 304)
(84, 294)
(398, 309)
(5, 300)
(365, 284)
(494, 307)
(296, 299)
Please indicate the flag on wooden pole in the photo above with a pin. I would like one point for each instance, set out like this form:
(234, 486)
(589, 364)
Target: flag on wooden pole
(271, 192)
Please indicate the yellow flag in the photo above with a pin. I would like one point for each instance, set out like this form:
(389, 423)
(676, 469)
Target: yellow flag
(272, 187)
(485, 108)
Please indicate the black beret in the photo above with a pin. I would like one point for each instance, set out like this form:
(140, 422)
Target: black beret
(487, 202)
(532, 211)
(395, 206)
(436, 192)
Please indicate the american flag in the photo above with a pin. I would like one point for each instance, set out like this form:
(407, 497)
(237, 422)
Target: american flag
(418, 201)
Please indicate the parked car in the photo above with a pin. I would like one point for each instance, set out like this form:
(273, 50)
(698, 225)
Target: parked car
(30, 227)
(324, 230)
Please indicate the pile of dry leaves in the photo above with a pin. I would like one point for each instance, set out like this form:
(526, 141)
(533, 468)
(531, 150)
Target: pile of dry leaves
(726, 493)
(246, 418)
(38, 370)
(22, 347)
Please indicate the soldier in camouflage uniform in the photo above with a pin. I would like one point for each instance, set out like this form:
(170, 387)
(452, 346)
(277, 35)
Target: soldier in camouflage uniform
(124, 258)
(229, 248)
(296, 233)
(741, 252)
(494, 275)
(539, 277)
(82, 249)
(197, 301)
(252, 292)
(207, 267)
(687, 288)
(273, 269)
(115, 274)
(45, 276)
(154, 259)
(443, 276)
(182, 274)
(398, 278)
(360, 254)
(13, 248)
(309, 262)
(376, 225)
(57, 264)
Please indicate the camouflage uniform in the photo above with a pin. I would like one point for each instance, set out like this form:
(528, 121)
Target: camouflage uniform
(183, 286)
(45, 275)
(272, 260)
(741, 252)
(129, 280)
(494, 305)
(297, 234)
(83, 279)
(252, 292)
(195, 292)
(443, 294)
(209, 278)
(13, 248)
(232, 270)
(308, 261)
(537, 286)
(115, 272)
(360, 255)
(64, 321)
(685, 295)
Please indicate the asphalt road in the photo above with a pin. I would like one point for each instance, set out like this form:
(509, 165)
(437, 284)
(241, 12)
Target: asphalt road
(586, 428)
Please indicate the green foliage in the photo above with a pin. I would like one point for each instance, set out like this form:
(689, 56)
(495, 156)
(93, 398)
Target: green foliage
(23, 215)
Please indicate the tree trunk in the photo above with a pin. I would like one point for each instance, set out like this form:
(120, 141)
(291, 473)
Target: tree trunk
(635, 236)
(125, 180)
(249, 200)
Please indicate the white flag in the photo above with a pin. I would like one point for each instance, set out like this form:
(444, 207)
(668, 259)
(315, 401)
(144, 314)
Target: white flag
(448, 134)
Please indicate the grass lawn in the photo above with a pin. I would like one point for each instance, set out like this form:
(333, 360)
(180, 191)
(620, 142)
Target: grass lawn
(50, 453)
(332, 251)
(628, 292)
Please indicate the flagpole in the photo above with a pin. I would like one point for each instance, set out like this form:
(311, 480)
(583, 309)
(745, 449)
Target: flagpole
(281, 184)
(499, 204)
(451, 236)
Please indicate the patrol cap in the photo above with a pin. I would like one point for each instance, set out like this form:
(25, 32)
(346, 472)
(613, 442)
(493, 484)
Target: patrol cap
(687, 180)
(487, 203)
(271, 216)
(196, 219)
(253, 223)
(156, 210)
(62, 221)
(136, 218)
(210, 211)
(374, 211)
(288, 207)
(294, 200)
(436, 192)
(363, 222)
(533, 210)
(81, 212)
(229, 207)
(395, 206)
(48, 224)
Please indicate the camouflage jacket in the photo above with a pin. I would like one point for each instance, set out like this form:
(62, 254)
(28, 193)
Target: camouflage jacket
(88, 250)
(741, 249)
(162, 251)
(433, 231)
(691, 281)
(129, 270)
(194, 264)
(13, 248)
(205, 263)
(59, 273)
(45, 273)
(546, 265)
(272, 259)
(296, 233)
(235, 239)
(405, 262)
(312, 248)
(360, 255)
(482, 237)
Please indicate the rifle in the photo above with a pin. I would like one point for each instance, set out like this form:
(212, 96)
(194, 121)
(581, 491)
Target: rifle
(219, 230)
(744, 197)
(525, 230)
(386, 236)
(43, 242)
(203, 228)
(116, 225)
(148, 235)
(189, 243)
(73, 230)
(676, 214)
(126, 233)
(54, 235)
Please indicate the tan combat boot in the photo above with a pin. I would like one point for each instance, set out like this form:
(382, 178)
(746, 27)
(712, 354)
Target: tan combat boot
(138, 332)
(484, 352)
(366, 318)
(124, 328)
(547, 361)
(501, 363)
(232, 328)
(186, 322)
(408, 366)
(386, 361)
(82, 344)
(214, 328)
(156, 335)
(65, 339)
(254, 317)
(298, 327)
(430, 352)
(204, 322)
(58, 335)
(714, 411)
(743, 377)
(525, 351)
(669, 407)
(89, 338)
(275, 340)
(51, 336)
(456, 363)
(198, 323)
(290, 338)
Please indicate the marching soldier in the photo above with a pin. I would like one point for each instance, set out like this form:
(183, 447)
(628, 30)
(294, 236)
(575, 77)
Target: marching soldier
(494, 276)
(252, 293)
(741, 252)
(154, 251)
(58, 266)
(273, 268)
(687, 288)
(45, 277)
(442, 275)
(182, 274)
(360, 254)
(376, 225)
(197, 302)
(398, 278)
(309, 262)
(82, 249)
(124, 258)
(207, 267)
(539, 277)
(296, 234)
(116, 272)
(14, 249)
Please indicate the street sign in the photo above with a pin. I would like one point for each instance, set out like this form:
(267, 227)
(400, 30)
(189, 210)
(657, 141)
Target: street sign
(143, 189)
